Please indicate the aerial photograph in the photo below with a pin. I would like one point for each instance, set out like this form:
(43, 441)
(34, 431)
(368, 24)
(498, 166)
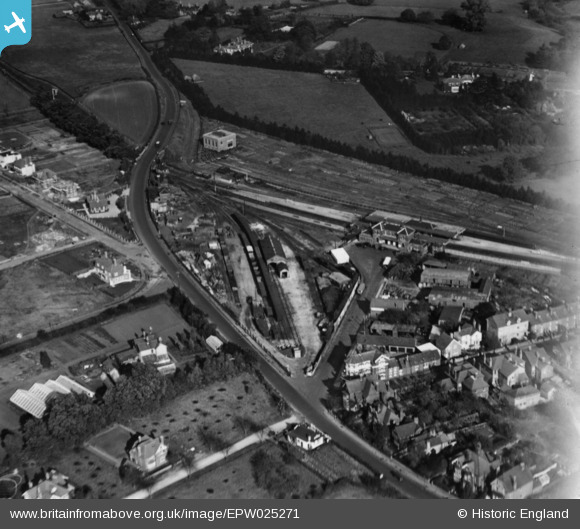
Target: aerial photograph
(290, 249)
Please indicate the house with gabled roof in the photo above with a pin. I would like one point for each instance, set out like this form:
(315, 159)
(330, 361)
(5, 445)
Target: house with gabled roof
(24, 166)
(505, 370)
(148, 453)
(504, 327)
(473, 467)
(112, 271)
(515, 484)
(152, 350)
(522, 397)
(53, 486)
(469, 337)
(404, 433)
(538, 365)
(449, 346)
(307, 437)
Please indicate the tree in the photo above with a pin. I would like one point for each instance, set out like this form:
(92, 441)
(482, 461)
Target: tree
(511, 168)
(408, 15)
(444, 42)
(451, 18)
(425, 17)
(475, 11)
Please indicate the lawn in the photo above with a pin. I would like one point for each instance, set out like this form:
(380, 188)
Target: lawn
(162, 318)
(344, 112)
(129, 107)
(75, 260)
(156, 30)
(111, 443)
(14, 218)
(208, 419)
(42, 297)
(76, 59)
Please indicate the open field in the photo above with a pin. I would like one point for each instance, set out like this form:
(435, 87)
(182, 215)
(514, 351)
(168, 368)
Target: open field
(156, 30)
(164, 320)
(75, 260)
(14, 101)
(129, 107)
(394, 37)
(24, 230)
(14, 218)
(98, 56)
(344, 111)
(509, 34)
(41, 297)
(207, 419)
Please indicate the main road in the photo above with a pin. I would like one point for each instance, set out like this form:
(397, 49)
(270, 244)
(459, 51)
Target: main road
(314, 411)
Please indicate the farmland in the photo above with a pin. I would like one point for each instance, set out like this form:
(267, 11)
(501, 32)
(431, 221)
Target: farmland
(14, 218)
(42, 297)
(509, 34)
(345, 112)
(129, 107)
(98, 56)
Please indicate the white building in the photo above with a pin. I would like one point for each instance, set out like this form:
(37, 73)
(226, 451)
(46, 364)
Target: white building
(340, 256)
(153, 351)
(306, 437)
(110, 271)
(148, 453)
(24, 166)
(214, 343)
(219, 140)
(9, 157)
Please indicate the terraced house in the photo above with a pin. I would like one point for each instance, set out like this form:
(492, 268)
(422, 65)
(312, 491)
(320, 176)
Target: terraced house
(507, 326)
(554, 319)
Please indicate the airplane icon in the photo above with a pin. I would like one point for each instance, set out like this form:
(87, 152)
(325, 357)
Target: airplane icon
(18, 22)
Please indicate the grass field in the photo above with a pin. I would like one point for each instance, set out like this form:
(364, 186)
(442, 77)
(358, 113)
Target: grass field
(129, 107)
(74, 58)
(344, 112)
(509, 34)
(75, 260)
(155, 31)
(111, 442)
(164, 320)
(13, 100)
(41, 297)
(14, 218)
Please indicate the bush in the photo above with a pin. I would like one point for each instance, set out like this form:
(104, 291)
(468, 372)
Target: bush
(444, 43)
(408, 15)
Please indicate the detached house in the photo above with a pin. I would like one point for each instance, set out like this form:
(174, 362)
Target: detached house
(507, 326)
(473, 467)
(112, 272)
(148, 453)
(24, 167)
(307, 437)
(54, 486)
(97, 203)
(152, 350)
(8, 158)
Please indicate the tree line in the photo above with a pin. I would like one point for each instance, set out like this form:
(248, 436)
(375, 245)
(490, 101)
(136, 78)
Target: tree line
(86, 128)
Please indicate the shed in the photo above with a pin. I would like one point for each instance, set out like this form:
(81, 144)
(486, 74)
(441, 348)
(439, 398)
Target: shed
(340, 256)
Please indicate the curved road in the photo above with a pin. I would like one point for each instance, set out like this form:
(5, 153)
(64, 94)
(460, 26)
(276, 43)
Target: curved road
(411, 485)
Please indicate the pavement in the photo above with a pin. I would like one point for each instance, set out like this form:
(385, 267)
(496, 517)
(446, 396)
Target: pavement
(180, 474)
